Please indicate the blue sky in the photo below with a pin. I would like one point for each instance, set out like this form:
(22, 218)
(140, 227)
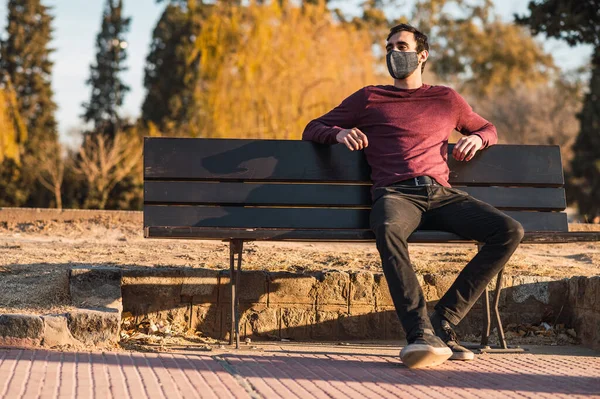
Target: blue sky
(77, 23)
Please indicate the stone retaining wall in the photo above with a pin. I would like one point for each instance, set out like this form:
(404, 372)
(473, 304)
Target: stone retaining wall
(340, 305)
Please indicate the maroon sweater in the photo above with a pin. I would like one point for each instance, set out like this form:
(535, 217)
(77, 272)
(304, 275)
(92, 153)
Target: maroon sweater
(407, 129)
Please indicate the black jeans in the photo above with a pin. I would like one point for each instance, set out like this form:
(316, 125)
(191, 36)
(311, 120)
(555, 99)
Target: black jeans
(399, 210)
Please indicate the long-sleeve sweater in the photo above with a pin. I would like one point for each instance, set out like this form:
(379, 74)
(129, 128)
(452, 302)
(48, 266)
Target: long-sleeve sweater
(407, 130)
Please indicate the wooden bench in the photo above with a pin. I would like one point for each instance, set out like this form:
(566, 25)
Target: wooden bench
(245, 190)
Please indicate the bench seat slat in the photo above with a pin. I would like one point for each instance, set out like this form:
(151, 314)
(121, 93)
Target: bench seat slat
(300, 161)
(303, 218)
(203, 193)
(420, 236)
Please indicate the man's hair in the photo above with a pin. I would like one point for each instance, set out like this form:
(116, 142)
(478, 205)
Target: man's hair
(420, 38)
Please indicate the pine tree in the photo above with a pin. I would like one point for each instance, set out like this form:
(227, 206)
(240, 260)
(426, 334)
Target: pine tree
(25, 59)
(108, 90)
(586, 162)
(170, 75)
(578, 22)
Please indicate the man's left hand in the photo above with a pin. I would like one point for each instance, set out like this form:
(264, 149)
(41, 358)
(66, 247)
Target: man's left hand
(466, 147)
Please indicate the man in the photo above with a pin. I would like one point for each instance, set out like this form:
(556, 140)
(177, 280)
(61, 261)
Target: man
(404, 131)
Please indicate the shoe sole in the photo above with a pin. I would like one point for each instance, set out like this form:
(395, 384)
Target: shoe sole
(464, 356)
(416, 356)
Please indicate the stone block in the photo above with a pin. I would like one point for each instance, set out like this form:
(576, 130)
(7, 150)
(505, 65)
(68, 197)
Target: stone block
(577, 288)
(297, 322)
(326, 324)
(428, 285)
(290, 288)
(435, 285)
(383, 298)
(332, 288)
(363, 322)
(524, 287)
(20, 330)
(591, 299)
(252, 287)
(93, 327)
(97, 287)
(362, 290)
(150, 290)
(260, 322)
(206, 319)
(201, 285)
(57, 333)
(392, 326)
(177, 315)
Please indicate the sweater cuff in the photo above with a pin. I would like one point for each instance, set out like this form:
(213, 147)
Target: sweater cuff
(484, 139)
(333, 134)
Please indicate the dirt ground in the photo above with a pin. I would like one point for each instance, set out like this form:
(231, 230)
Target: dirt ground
(35, 257)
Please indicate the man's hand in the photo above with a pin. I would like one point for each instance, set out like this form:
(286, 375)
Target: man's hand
(353, 138)
(466, 147)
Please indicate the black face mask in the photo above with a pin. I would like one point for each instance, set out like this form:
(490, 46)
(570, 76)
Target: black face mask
(401, 64)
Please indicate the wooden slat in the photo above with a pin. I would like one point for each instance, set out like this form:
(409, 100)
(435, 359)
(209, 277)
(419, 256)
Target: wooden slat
(300, 161)
(178, 192)
(303, 218)
(205, 233)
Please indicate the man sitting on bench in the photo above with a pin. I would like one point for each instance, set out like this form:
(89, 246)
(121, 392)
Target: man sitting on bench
(404, 131)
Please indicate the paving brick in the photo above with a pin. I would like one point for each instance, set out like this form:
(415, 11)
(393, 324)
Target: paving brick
(318, 371)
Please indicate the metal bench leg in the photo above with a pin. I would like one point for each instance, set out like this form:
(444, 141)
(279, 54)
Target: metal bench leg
(501, 339)
(235, 251)
(487, 320)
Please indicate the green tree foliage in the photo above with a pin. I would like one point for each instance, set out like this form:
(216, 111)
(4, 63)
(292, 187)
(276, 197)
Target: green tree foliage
(170, 74)
(578, 22)
(586, 163)
(108, 90)
(25, 60)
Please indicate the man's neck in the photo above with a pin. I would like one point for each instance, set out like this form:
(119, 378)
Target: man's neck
(414, 81)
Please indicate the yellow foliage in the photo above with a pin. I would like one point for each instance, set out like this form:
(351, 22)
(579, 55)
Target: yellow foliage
(12, 129)
(268, 69)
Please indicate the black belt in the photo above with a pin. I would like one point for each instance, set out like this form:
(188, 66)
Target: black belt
(417, 181)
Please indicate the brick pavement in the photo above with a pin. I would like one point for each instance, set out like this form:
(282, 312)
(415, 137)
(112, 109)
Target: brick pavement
(292, 372)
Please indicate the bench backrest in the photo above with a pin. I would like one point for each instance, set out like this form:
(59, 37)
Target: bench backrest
(194, 186)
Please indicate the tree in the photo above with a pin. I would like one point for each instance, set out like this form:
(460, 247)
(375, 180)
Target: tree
(170, 74)
(267, 70)
(13, 133)
(50, 169)
(578, 22)
(103, 163)
(25, 60)
(475, 51)
(108, 90)
(521, 118)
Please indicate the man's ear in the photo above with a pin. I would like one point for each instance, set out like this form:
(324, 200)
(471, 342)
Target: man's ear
(423, 56)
